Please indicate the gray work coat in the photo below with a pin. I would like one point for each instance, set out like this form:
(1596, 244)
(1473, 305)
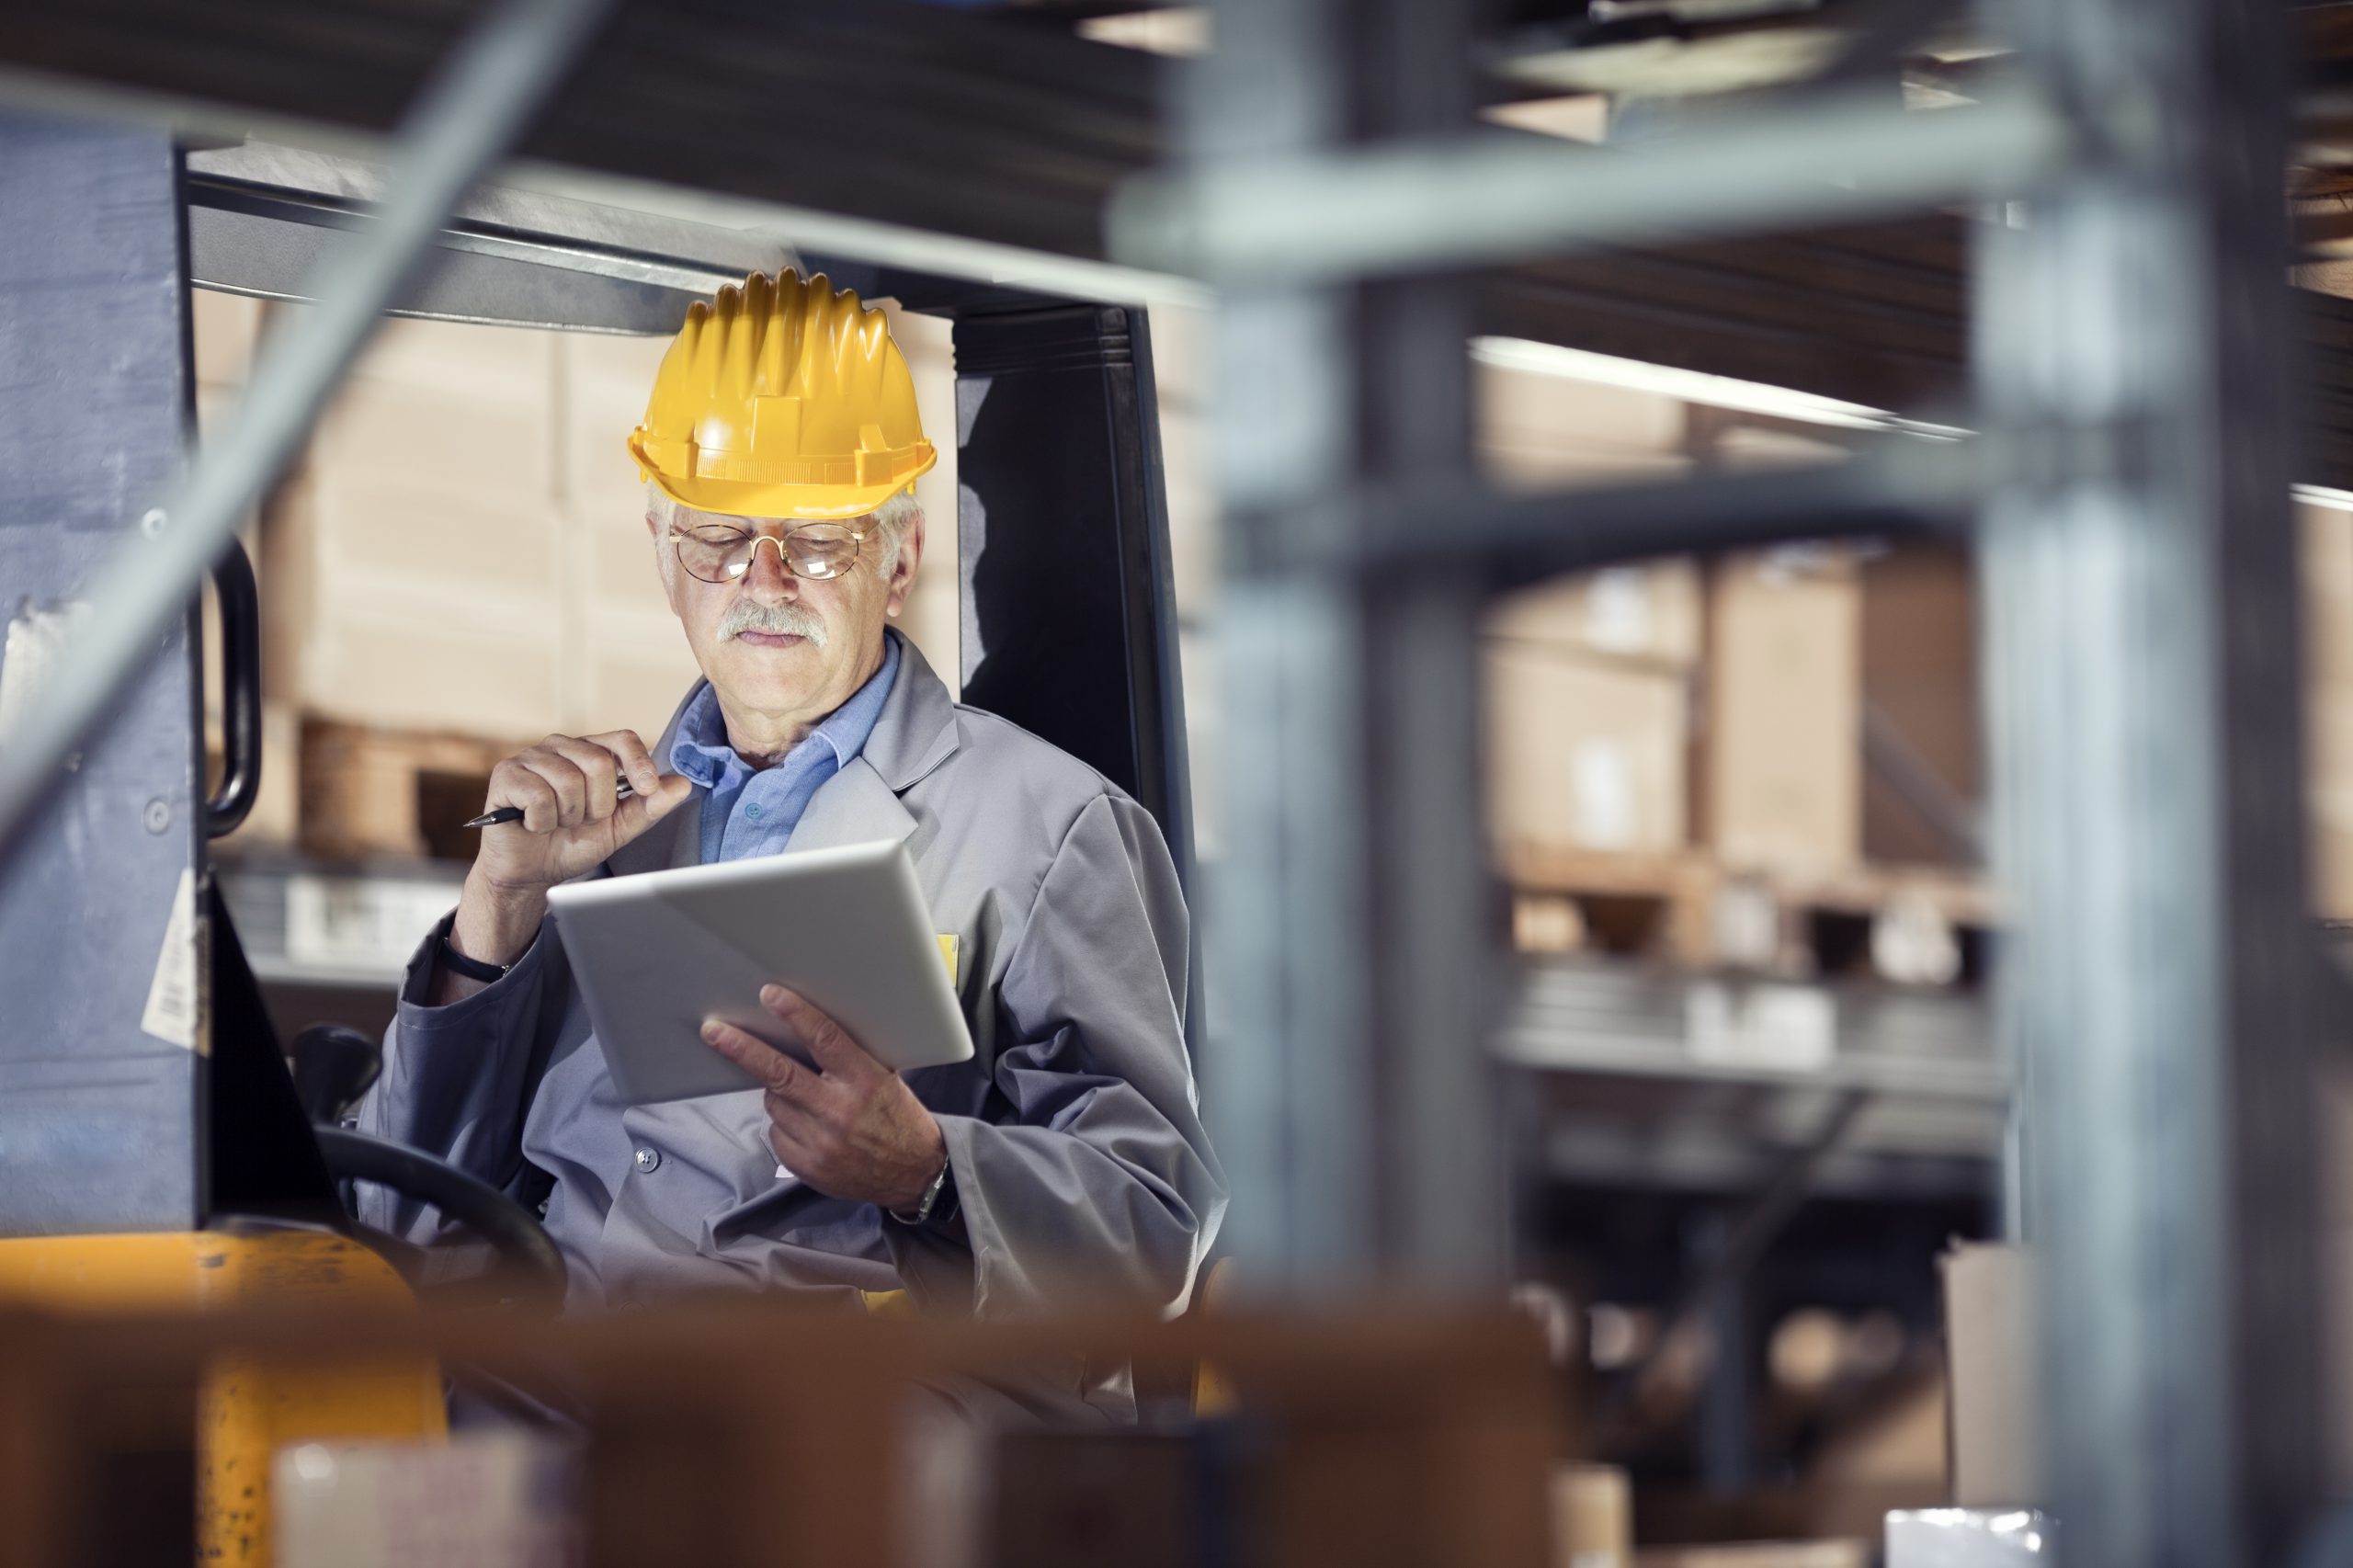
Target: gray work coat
(1082, 1174)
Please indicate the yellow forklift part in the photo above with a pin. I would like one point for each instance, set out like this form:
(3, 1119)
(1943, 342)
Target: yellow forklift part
(784, 398)
(247, 1407)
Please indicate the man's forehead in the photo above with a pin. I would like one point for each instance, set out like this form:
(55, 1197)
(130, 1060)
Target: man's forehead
(692, 518)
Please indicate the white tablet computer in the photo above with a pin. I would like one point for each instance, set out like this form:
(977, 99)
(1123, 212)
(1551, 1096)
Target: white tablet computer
(657, 953)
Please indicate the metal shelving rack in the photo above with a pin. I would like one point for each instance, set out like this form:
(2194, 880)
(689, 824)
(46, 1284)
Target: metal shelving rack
(2131, 494)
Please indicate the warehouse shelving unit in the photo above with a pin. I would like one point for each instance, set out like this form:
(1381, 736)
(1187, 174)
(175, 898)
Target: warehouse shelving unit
(2131, 490)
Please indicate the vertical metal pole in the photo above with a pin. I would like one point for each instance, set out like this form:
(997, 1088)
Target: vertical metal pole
(1347, 1076)
(1438, 1182)
(1293, 1103)
(2144, 664)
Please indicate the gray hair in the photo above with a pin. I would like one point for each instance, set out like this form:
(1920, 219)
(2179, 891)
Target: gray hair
(890, 520)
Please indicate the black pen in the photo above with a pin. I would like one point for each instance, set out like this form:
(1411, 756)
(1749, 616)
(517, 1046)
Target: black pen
(515, 814)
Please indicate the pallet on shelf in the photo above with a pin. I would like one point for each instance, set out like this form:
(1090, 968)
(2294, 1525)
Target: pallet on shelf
(368, 791)
(1912, 923)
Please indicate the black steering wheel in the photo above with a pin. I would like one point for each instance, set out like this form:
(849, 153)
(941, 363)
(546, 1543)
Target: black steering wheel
(332, 1067)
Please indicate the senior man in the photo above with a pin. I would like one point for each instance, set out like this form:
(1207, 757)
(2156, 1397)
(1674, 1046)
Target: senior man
(1065, 1162)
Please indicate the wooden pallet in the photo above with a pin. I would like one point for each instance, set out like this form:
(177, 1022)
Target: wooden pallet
(372, 792)
(1913, 923)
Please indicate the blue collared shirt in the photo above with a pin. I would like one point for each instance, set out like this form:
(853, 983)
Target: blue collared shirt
(752, 812)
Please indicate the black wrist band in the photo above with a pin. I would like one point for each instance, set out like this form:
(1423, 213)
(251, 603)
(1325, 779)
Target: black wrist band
(457, 963)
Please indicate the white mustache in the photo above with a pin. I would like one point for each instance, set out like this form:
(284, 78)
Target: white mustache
(777, 620)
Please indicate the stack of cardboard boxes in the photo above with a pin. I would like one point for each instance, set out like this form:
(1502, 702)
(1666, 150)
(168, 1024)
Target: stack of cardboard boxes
(1649, 710)
(1623, 719)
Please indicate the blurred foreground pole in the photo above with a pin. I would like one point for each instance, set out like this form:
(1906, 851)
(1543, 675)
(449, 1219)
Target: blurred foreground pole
(2142, 657)
(1345, 1069)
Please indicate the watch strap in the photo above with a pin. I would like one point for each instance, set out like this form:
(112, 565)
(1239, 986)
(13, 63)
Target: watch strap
(457, 963)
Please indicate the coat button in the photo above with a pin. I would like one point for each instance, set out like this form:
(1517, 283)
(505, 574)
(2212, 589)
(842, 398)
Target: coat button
(649, 1160)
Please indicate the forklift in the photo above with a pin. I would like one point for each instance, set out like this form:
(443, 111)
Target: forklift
(161, 1149)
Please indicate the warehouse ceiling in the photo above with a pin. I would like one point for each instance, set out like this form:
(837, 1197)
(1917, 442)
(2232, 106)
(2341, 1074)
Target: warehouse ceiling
(1004, 124)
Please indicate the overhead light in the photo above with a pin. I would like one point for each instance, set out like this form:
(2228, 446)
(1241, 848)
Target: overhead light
(2322, 495)
(1697, 386)
(1179, 30)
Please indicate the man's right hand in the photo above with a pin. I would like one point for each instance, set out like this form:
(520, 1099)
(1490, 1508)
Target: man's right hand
(564, 787)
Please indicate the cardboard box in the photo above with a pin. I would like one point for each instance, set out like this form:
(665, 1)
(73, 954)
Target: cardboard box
(1535, 429)
(933, 618)
(1582, 753)
(227, 328)
(2327, 536)
(1593, 1516)
(474, 1498)
(1990, 1342)
(1969, 1538)
(1647, 613)
(1781, 784)
(1521, 406)
(1919, 673)
(1760, 1554)
(277, 811)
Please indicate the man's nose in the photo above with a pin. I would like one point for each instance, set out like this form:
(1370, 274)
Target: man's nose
(765, 577)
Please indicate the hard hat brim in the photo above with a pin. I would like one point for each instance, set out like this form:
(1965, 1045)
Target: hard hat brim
(742, 498)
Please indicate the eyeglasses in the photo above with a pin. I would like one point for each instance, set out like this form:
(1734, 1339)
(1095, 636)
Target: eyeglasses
(816, 550)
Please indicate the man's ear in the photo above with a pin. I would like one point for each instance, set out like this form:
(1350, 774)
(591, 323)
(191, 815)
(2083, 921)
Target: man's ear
(665, 562)
(903, 572)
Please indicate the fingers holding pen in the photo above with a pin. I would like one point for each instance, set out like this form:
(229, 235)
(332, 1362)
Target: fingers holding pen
(514, 782)
(629, 754)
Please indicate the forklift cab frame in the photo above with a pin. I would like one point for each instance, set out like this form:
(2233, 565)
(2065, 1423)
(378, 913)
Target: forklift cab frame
(1067, 625)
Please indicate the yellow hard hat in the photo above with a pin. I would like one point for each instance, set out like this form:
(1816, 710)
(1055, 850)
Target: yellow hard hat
(782, 399)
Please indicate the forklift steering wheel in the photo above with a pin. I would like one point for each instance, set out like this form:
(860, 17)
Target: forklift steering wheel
(512, 1230)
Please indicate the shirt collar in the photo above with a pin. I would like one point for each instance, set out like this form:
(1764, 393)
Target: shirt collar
(699, 750)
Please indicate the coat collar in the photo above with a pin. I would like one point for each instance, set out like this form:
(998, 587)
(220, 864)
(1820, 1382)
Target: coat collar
(915, 734)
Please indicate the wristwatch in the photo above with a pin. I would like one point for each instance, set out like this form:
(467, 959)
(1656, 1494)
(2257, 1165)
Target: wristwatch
(923, 1210)
(457, 963)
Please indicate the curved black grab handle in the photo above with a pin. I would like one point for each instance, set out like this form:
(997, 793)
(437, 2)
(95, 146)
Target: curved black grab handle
(232, 580)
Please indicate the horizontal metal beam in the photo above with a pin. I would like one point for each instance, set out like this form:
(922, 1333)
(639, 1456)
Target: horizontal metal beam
(468, 114)
(1909, 487)
(301, 185)
(1471, 201)
(270, 222)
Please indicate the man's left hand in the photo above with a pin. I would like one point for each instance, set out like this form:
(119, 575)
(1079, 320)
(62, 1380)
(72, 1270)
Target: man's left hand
(849, 1127)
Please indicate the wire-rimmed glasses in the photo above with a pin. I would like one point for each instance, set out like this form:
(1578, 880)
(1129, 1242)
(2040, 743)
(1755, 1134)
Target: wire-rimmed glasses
(718, 553)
